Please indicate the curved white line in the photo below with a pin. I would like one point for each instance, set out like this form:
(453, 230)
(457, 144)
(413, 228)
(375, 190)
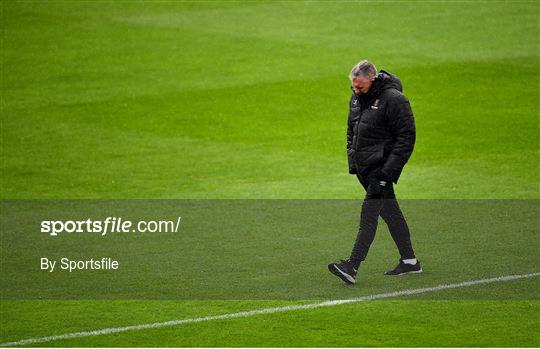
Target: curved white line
(267, 310)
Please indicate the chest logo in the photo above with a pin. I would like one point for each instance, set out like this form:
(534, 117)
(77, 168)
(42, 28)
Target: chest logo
(375, 104)
(354, 101)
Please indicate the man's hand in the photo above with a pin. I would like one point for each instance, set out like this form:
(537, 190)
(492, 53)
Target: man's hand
(378, 184)
(381, 177)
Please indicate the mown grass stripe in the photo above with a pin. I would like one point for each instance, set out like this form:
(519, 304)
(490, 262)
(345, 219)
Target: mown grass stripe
(268, 310)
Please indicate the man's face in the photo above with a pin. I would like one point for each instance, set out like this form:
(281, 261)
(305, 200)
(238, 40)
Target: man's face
(361, 84)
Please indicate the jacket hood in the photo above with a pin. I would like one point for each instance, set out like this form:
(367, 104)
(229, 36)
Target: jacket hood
(385, 80)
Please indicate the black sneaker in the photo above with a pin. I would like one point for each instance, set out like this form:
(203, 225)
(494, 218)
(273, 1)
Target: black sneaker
(403, 268)
(344, 270)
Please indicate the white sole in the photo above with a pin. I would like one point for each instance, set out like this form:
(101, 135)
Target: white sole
(347, 276)
(409, 272)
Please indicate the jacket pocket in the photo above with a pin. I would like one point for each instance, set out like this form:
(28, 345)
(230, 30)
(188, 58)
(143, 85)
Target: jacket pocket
(369, 155)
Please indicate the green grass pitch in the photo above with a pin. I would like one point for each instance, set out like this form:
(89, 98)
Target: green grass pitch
(248, 100)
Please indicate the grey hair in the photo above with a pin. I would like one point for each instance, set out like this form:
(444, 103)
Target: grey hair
(365, 69)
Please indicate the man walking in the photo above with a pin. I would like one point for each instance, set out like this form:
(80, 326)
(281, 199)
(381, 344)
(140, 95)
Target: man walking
(380, 140)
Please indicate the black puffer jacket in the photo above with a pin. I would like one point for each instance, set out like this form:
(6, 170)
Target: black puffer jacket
(381, 131)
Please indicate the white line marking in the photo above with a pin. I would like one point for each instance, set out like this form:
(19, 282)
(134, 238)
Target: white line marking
(267, 310)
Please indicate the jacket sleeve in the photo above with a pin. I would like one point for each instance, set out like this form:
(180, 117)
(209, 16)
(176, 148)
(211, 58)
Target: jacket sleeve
(349, 133)
(402, 127)
(350, 151)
